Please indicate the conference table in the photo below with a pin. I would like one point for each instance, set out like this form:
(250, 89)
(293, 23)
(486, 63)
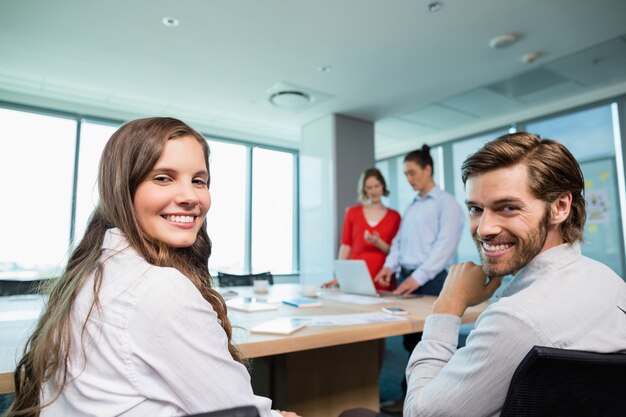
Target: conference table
(317, 371)
(322, 370)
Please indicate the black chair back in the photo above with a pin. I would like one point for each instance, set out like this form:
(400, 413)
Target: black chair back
(235, 280)
(246, 411)
(559, 382)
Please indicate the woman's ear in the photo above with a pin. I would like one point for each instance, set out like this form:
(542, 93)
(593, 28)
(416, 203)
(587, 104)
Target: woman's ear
(560, 208)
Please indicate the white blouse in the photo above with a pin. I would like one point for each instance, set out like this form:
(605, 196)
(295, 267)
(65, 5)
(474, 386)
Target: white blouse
(154, 348)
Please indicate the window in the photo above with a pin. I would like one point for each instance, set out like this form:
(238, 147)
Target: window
(93, 137)
(37, 168)
(226, 220)
(588, 134)
(401, 192)
(52, 184)
(272, 211)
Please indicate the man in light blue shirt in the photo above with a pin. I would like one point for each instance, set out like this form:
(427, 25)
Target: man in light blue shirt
(426, 242)
(429, 233)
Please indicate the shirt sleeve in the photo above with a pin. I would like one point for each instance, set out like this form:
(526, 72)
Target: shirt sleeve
(178, 352)
(451, 219)
(471, 381)
(348, 225)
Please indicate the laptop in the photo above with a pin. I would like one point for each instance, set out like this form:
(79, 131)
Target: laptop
(354, 278)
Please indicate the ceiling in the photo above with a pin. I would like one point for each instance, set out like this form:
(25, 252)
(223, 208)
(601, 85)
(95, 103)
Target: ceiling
(420, 76)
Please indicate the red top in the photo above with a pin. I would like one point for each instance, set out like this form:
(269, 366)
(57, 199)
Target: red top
(354, 227)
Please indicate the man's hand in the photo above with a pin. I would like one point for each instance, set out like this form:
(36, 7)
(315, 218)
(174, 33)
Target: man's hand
(383, 277)
(465, 286)
(287, 413)
(407, 286)
(330, 284)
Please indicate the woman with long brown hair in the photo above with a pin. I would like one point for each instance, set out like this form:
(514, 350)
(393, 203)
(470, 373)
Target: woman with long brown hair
(133, 327)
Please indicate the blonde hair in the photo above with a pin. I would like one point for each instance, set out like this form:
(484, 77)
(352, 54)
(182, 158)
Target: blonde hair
(128, 157)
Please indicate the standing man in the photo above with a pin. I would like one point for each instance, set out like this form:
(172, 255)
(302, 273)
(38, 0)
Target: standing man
(426, 243)
(527, 213)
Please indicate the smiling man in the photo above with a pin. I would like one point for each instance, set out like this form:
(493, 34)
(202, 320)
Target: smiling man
(527, 211)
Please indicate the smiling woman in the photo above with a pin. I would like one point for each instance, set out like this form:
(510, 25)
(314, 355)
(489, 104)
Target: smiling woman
(133, 325)
(173, 199)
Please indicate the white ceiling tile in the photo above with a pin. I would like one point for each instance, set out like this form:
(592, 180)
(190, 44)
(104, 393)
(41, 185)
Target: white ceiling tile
(439, 116)
(482, 102)
(393, 126)
(597, 65)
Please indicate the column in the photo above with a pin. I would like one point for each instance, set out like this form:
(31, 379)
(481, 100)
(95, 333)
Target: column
(334, 151)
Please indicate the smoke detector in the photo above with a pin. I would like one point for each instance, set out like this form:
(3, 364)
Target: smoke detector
(435, 6)
(170, 22)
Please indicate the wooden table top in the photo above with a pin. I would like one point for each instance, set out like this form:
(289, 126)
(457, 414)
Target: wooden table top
(312, 337)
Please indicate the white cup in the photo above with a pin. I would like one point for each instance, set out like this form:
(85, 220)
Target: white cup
(261, 285)
(309, 290)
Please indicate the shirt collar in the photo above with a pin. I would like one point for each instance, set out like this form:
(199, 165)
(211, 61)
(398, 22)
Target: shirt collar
(542, 265)
(115, 240)
(434, 193)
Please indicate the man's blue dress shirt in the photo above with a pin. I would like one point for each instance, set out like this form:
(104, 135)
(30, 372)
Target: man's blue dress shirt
(429, 234)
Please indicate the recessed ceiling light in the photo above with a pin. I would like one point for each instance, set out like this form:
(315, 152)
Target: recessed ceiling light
(435, 6)
(503, 41)
(289, 99)
(170, 22)
(325, 68)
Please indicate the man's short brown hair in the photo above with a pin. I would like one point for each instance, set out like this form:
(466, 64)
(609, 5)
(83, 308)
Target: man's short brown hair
(552, 170)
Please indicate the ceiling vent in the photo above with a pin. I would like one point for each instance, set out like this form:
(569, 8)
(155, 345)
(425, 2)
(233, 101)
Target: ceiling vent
(291, 97)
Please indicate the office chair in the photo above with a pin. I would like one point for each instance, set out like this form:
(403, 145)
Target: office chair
(234, 280)
(559, 382)
(245, 411)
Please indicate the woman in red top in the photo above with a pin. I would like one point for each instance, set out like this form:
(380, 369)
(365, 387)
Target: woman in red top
(369, 227)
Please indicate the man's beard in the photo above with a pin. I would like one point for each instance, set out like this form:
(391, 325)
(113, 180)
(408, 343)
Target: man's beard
(524, 250)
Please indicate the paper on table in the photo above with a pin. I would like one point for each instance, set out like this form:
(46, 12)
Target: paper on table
(356, 299)
(282, 325)
(349, 319)
(249, 304)
(228, 294)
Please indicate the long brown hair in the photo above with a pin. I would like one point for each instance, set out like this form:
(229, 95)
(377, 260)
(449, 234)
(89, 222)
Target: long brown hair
(128, 157)
(552, 170)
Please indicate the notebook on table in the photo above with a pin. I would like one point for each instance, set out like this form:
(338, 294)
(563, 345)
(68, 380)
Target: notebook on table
(303, 302)
(354, 278)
